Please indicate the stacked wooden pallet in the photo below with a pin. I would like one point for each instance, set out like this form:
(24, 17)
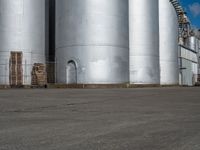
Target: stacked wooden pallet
(16, 68)
(39, 76)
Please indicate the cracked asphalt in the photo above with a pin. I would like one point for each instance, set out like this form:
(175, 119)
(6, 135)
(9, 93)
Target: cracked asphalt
(100, 119)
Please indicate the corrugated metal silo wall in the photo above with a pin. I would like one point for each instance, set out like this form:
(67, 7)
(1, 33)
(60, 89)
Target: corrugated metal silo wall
(191, 43)
(168, 43)
(22, 29)
(92, 41)
(144, 42)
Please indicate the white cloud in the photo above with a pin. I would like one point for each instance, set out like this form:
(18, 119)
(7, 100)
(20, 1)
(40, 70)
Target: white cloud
(195, 9)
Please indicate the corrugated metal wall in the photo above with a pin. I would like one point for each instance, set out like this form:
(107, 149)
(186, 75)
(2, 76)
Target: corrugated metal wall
(188, 66)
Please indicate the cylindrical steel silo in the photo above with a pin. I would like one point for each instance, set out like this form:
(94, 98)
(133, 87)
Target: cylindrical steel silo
(169, 70)
(22, 39)
(191, 43)
(144, 42)
(199, 46)
(92, 41)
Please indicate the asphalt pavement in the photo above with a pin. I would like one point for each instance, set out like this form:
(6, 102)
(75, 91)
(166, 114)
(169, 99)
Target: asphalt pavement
(100, 119)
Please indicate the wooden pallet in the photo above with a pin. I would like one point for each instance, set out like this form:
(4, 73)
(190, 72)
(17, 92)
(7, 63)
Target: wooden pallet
(39, 76)
(16, 71)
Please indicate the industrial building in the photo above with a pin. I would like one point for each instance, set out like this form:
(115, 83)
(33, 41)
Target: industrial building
(145, 42)
(189, 60)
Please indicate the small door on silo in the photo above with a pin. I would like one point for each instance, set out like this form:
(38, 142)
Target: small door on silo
(71, 73)
(16, 71)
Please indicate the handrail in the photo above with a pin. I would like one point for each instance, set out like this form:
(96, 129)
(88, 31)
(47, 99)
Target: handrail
(184, 23)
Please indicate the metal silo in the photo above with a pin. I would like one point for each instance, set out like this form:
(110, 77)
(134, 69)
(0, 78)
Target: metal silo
(144, 42)
(199, 46)
(22, 39)
(92, 41)
(191, 43)
(169, 70)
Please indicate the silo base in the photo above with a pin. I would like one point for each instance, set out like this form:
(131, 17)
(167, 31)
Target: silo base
(99, 86)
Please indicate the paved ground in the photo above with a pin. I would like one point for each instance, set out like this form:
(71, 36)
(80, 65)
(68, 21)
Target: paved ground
(109, 119)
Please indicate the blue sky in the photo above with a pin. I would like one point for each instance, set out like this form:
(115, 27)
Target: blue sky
(192, 7)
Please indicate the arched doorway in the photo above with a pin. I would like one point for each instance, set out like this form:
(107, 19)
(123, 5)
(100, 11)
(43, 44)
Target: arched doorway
(71, 73)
